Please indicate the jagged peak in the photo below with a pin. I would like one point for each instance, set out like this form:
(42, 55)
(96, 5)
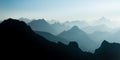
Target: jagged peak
(39, 21)
(43, 20)
(105, 42)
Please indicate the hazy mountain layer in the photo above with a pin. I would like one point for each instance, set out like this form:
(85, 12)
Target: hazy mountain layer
(75, 34)
(42, 25)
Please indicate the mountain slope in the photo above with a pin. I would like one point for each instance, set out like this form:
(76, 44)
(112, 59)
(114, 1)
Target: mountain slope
(52, 38)
(75, 34)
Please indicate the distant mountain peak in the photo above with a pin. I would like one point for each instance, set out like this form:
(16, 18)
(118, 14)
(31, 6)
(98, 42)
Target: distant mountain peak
(42, 25)
(39, 22)
(75, 28)
(42, 20)
(104, 19)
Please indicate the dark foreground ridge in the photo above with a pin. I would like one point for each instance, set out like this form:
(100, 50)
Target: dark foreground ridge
(18, 40)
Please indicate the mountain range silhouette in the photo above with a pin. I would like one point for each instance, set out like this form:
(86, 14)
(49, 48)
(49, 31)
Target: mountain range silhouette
(18, 40)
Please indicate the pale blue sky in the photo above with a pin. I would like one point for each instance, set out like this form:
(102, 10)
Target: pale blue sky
(61, 9)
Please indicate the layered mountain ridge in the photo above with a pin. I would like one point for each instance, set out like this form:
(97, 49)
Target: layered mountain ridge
(17, 38)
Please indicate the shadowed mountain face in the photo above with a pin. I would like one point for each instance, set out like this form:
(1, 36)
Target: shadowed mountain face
(19, 41)
(75, 34)
(42, 25)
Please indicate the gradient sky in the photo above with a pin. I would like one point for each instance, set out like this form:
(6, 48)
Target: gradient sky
(61, 10)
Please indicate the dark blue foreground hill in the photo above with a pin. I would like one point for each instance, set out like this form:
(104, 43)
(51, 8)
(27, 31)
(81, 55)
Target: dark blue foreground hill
(108, 51)
(19, 41)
